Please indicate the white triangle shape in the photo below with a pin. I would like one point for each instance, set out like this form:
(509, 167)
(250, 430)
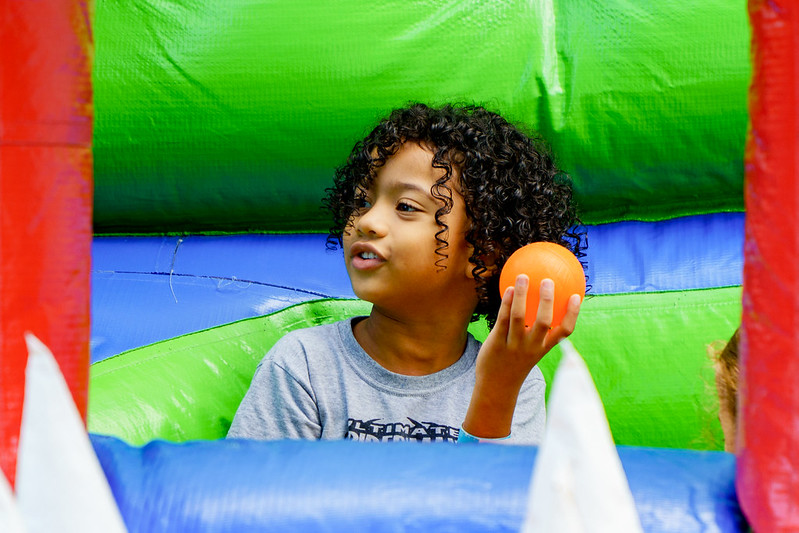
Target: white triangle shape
(578, 483)
(60, 484)
(10, 519)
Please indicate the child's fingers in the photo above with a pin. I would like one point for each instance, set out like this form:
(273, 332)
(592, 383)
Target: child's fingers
(503, 315)
(518, 307)
(569, 321)
(546, 305)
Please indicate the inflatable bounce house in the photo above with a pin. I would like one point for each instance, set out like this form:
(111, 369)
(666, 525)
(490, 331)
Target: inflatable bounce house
(162, 165)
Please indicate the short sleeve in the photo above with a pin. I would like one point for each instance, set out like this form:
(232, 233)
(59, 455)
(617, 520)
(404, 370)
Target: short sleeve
(280, 403)
(530, 415)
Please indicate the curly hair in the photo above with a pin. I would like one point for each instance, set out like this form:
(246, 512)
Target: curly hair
(726, 361)
(513, 192)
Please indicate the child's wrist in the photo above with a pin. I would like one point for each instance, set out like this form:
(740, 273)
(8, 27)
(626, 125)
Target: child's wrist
(496, 389)
(490, 410)
(465, 436)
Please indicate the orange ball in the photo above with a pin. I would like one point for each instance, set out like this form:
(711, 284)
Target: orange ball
(540, 260)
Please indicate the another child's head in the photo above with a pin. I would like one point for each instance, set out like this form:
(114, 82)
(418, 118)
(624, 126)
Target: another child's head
(513, 192)
(725, 361)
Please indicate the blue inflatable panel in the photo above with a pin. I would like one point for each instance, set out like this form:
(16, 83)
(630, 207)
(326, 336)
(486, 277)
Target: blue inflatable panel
(148, 289)
(333, 486)
(293, 261)
(698, 252)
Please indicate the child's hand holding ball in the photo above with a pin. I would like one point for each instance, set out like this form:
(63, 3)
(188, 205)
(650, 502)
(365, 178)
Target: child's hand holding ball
(540, 260)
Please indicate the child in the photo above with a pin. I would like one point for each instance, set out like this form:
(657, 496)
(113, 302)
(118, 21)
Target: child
(427, 209)
(725, 363)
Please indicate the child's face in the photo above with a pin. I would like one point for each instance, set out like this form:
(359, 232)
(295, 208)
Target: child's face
(389, 245)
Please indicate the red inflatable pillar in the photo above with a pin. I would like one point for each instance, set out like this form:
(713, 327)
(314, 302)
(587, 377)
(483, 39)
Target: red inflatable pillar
(768, 433)
(45, 197)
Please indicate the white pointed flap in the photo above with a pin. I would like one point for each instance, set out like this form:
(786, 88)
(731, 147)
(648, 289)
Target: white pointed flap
(578, 484)
(10, 519)
(60, 484)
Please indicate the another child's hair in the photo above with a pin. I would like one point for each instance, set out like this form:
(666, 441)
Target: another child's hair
(513, 192)
(726, 360)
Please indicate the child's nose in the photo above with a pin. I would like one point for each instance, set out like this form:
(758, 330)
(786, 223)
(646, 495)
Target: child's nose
(372, 222)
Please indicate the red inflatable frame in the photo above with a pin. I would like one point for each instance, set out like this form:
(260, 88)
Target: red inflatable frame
(767, 476)
(46, 196)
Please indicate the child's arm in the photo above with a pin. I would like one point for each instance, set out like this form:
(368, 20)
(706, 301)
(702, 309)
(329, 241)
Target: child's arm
(509, 354)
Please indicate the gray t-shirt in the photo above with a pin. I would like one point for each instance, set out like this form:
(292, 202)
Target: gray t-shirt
(318, 383)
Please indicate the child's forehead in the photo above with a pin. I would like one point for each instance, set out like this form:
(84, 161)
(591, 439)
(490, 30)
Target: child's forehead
(411, 169)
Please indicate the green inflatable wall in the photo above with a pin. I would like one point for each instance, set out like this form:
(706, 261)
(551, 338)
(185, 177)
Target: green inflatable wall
(641, 349)
(230, 116)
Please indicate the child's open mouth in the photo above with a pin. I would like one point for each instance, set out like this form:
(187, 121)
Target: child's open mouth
(366, 259)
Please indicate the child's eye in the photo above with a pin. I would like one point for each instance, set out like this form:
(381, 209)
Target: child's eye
(406, 207)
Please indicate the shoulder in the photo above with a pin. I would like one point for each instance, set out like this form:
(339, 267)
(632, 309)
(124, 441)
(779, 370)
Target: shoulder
(534, 386)
(535, 375)
(535, 379)
(311, 335)
(302, 347)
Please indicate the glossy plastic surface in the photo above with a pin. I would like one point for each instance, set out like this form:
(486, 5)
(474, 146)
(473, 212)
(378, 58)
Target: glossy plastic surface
(656, 385)
(336, 486)
(768, 433)
(46, 195)
(232, 116)
(149, 289)
(540, 260)
(189, 387)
